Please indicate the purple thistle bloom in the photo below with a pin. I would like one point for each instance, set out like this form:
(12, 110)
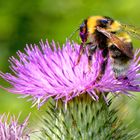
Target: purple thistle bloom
(50, 72)
(11, 130)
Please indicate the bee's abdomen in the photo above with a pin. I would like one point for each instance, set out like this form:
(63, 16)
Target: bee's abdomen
(120, 61)
(120, 70)
(117, 54)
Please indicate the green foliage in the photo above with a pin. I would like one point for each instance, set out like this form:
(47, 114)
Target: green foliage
(83, 119)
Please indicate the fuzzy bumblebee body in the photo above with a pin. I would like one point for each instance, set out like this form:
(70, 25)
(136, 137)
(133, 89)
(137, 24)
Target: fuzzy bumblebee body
(107, 35)
(120, 61)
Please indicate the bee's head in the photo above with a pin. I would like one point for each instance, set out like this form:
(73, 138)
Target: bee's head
(105, 22)
(83, 31)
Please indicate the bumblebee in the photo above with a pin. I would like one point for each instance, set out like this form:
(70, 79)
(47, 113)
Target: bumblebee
(112, 38)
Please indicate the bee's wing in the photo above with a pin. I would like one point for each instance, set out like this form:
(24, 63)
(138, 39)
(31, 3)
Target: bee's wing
(131, 30)
(125, 47)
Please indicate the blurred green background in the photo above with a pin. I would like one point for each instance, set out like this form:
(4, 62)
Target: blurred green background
(27, 22)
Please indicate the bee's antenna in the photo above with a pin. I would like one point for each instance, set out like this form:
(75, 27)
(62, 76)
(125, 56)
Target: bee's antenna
(71, 35)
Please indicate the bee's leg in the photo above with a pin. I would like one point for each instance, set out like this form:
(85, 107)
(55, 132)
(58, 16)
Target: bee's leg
(102, 68)
(89, 60)
(121, 78)
(81, 50)
(91, 51)
(103, 65)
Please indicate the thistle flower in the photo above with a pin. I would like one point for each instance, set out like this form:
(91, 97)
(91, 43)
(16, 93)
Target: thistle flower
(50, 72)
(12, 130)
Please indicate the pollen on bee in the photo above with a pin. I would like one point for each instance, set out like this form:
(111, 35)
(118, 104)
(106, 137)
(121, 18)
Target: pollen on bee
(115, 26)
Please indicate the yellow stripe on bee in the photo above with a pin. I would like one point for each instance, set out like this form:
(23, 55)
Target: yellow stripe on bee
(124, 37)
(115, 26)
(92, 23)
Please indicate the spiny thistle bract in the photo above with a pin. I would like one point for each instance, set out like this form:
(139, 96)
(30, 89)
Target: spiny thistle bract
(83, 119)
(50, 72)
